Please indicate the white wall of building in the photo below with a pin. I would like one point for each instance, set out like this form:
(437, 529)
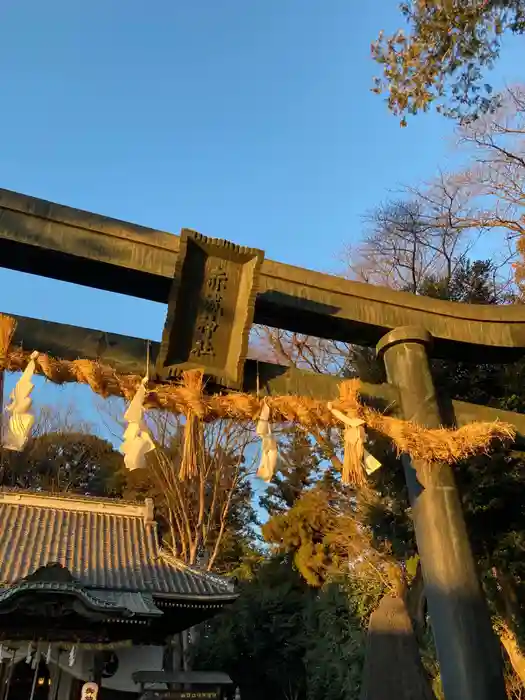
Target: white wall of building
(130, 659)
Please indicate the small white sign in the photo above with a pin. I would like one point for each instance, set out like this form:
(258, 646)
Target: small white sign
(371, 463)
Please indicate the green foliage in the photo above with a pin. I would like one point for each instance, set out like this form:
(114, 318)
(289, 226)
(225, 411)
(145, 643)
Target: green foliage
(305, 532)
(492, 492)
(388, 515)
(444, 53)
(72, 462)
(335, 644)
(411, 565)
(470, 283)
(259, 641)
(249, 561)
(283, 639)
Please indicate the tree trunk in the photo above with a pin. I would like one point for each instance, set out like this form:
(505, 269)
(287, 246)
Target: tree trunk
(185, 648)
(195, 635)
(167, 656)
(393, 667)
(510, 643)
(172, 649)
(508, 609)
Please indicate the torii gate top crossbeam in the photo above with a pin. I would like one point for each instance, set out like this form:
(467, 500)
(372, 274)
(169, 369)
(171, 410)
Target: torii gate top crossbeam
(75, 246)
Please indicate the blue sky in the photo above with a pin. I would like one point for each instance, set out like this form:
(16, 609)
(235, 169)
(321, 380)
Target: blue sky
(251, 121)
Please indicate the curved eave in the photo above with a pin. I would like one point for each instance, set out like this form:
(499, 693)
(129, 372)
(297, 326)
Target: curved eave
(9, 595)
(197, 585)
(93, 600)
(190, 600)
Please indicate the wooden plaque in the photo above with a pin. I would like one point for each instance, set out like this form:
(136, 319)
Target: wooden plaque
(210, 310)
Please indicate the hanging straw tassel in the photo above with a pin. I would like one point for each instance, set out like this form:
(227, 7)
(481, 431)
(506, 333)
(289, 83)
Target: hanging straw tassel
(192, 381)
(353, 472)
(269, 453)
(136, 439)
(7, 330)
(21, 420)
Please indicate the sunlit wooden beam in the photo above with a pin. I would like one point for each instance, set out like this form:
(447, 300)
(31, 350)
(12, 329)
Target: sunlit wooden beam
(67, 244)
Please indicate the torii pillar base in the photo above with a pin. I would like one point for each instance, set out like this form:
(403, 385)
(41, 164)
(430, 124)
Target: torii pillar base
(468, 652)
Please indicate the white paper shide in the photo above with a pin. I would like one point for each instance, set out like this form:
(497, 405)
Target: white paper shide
(21, 419)
(269, 453)
(137, 440)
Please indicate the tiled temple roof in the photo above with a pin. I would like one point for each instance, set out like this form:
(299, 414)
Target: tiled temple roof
(105, 544)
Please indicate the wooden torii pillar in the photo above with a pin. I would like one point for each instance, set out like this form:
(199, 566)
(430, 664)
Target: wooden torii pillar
(74, 246)
(468, 651)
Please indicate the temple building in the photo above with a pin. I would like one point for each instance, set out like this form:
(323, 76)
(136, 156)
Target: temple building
(87, 593)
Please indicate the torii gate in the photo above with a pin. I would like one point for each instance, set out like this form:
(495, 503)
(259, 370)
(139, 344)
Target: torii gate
(74, 246)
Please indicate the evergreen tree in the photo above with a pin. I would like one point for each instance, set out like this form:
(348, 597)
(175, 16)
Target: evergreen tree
(335, 626)
(300, 463)
(65, 462)
(260, 641)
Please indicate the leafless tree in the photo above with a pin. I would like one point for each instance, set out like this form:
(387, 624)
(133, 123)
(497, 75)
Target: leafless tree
(405, 243)
(56, 419)
(495, 180)
(485, 198)
(299, 350)
(199, 510)
(408, 240)
(197, 513)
